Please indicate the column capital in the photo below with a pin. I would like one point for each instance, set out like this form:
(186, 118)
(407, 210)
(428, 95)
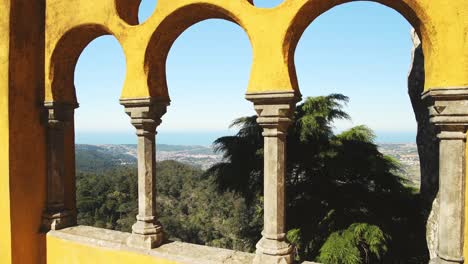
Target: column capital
(448, 111)
(55, 215)
(448, 108)
(275, 111)
(59, 113)
(145, 113)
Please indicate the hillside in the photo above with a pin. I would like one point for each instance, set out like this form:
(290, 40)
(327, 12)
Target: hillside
(194, 209)
(95, 158)
(407, 155)
(92, 158)
(190, 206)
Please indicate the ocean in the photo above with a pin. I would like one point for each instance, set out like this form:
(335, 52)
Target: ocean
(204, 138)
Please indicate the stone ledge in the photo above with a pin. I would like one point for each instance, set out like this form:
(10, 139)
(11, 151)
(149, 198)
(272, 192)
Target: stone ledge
(179, 252)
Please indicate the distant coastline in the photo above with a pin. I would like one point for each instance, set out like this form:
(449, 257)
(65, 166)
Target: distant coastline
(206, 138)
(87, 155)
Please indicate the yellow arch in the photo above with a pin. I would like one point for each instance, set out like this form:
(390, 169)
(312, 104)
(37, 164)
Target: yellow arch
(442, 36)
(311, 10)
(128, 10)
(273, 33)
(443, 27)
(61, 70)
(165, 35)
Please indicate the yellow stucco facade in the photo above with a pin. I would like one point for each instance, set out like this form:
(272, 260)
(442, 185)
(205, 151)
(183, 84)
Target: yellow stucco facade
(41, 43)
(5, 224)
(80, 253)
(273, 34)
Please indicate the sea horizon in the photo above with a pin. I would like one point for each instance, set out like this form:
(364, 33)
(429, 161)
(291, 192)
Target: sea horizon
(206, 138)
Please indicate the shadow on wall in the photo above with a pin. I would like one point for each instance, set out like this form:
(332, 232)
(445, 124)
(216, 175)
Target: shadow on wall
(428, 146)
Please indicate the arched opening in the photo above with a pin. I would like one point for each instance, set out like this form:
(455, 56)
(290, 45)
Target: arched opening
(105, 171)
(267, 3)
(147, 8)
(164, 36)
(207, 75)
(221, 50)
(367, 168)
(99, 77)
(135, 12)
(60, 73)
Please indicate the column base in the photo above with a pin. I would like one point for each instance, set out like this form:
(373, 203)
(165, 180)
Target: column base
(440, 260)
(272, 251)
(145, 241)
(57, 221)
(270, 259)
(146, 235)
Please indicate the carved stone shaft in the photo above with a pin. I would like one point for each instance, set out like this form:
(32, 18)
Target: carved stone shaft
(449, 112)
(56, 216)
(451, 193)
(274, 115)
(146, 115)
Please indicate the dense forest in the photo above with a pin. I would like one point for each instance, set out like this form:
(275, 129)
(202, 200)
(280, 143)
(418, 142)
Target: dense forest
(190, 207)
(346, 201)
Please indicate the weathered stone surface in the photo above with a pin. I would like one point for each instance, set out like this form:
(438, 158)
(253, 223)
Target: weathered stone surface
(427, 135)
(428, 145)
(146, 115)
(274, 115)
(448, 111)
(431, 229)
(450, 227)
(178, 252)
(55, 215)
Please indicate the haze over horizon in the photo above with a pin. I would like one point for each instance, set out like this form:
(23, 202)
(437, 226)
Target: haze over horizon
(360, 49)
(206, 138)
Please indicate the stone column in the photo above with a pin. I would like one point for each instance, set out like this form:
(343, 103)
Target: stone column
(146, 115)
(274, 115)
(56, 216)
(449, 112)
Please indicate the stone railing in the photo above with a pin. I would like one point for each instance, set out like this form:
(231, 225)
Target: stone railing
(84, 244)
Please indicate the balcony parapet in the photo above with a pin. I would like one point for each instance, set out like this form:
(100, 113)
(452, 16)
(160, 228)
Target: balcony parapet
(110, 243)
(171, 252)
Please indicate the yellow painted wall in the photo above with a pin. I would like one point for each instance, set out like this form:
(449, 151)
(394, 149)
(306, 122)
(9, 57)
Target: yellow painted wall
(5, 225)
(39, 65)
(273, 33)
(27, 162)
(61, 251)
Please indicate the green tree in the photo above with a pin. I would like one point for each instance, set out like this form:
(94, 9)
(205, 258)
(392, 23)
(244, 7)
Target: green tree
(190, 207)
(360, 243)
(333, 181)
(107, 199)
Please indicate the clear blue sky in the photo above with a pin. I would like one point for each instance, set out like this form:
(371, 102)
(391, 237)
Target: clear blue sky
(360, 49)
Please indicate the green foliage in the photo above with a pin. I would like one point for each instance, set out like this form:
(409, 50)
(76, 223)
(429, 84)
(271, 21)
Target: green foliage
(294, 237)
(345, 199)
(316, 114)
(192, 210)
(360, 243)
(338, 250)
(190, 207)
(333, 181)
(109, 199)
(358, 133)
